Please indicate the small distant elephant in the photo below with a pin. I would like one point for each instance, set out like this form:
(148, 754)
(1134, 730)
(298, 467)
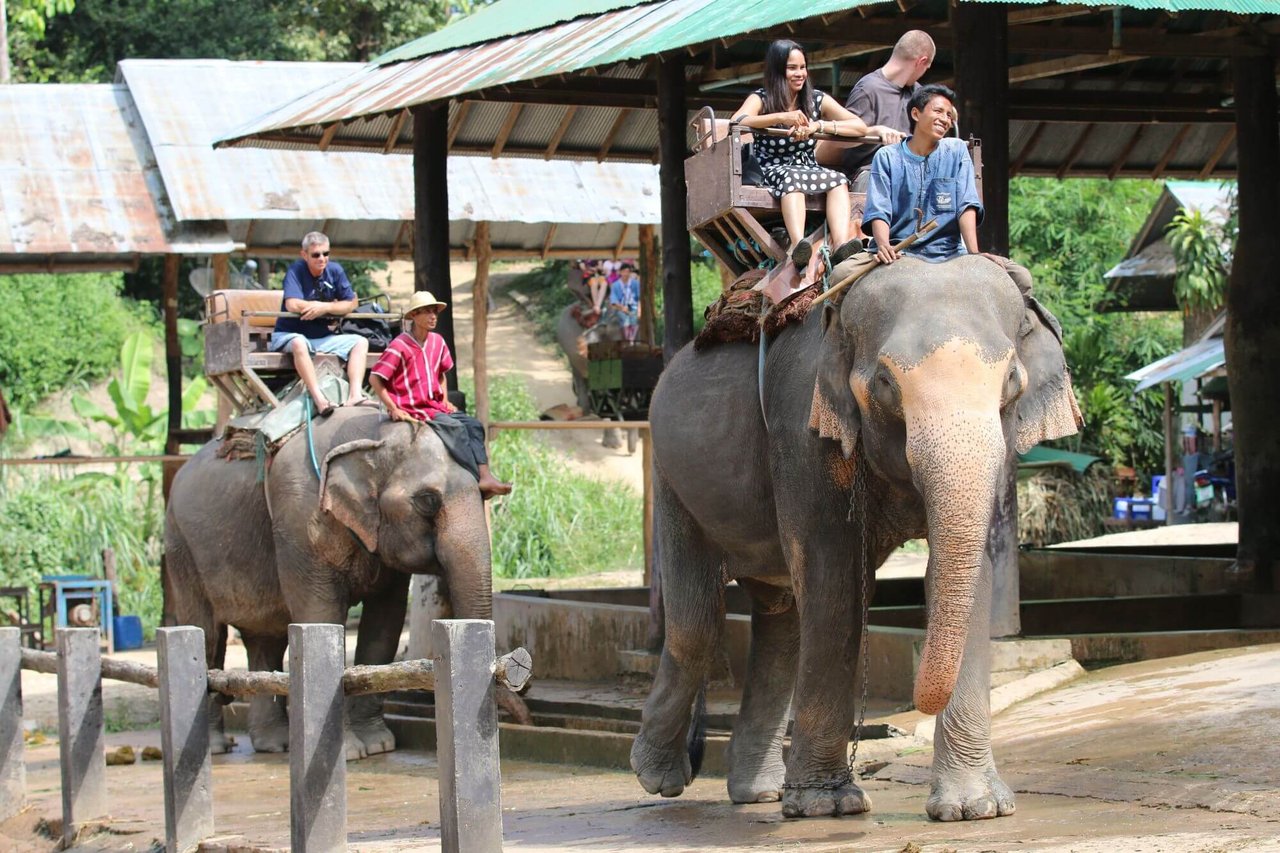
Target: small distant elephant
(894, 416)
(574, 340)
(300, 547)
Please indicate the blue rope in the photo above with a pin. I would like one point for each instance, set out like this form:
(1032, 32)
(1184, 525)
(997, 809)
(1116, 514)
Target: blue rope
(311, 445)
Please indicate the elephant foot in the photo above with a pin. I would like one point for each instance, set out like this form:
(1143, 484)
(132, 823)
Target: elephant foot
(611, 439)
(970, 795)
(661, 771)
(846, 799)
(355, 747)
(374, 735)
(270, 738)
(756, 782)
(220, 743)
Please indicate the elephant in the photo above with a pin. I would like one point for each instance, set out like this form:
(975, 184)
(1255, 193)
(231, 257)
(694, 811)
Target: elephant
(574, 339)
(895, 415)
(303, 546)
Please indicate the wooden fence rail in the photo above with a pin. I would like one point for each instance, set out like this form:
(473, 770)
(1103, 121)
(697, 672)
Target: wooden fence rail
(463, 677)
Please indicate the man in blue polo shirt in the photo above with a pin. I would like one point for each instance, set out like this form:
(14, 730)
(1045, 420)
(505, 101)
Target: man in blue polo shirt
(318, 290)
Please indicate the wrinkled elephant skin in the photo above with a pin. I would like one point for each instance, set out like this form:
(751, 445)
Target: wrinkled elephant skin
(388, 501)
(928, 379)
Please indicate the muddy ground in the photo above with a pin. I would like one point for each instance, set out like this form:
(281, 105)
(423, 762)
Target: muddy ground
(1169, 756)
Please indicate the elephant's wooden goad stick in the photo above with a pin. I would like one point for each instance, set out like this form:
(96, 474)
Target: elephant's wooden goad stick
(873, 262)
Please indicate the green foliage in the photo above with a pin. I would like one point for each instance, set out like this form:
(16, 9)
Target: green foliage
(556, 522)
(547, 296)
(1202, 251)
(1069, 233)
(59, 330)
(27, 18)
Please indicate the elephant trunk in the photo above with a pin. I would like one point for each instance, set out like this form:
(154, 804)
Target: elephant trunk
(463, 552)
(956, 460)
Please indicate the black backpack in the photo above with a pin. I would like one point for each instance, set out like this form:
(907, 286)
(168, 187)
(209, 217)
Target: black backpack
(377, 332)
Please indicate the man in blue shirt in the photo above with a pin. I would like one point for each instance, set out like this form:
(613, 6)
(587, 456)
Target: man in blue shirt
(926, 172)
(318, 290)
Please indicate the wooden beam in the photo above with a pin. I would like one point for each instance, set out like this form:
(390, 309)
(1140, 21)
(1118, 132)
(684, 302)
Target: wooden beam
(1223, 144)
(716, 77)
(622, 239)
(329, 133)
(400, 234)
(623, 115)
(509, 123)
(549, 239)
(1169, 152)
(1123, 156)
(480, 323)
(459, 118)
(1074, 153)
(393, 135)
(1039, 14)
(1066, 65)
(1016, 166)
(561, 130)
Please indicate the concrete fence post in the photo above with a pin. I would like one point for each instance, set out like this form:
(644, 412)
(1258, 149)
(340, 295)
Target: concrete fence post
(184, 737)
(317, 749)
(82, 744)
(467, 736)
(13, 770)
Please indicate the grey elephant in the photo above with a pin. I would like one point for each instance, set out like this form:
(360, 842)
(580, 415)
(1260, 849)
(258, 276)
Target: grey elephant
(893, 416)
(574, 340)
(388, 501)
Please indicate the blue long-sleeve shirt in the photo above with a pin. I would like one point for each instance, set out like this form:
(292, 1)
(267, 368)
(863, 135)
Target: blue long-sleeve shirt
(941, 184)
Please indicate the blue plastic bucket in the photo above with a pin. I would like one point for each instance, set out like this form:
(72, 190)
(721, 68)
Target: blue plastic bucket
(127, 632)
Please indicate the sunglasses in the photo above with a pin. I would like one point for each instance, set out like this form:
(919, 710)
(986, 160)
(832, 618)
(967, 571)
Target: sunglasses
(319, 254)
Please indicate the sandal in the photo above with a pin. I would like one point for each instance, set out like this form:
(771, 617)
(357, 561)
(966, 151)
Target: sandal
(846, 251)
(326, 411)
(801, 254)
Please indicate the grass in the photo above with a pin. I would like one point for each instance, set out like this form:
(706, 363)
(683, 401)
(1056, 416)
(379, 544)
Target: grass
(557, 522)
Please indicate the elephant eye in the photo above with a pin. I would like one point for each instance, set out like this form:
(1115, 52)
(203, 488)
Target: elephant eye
(427, 502)
(885, 391)
(1014, 384)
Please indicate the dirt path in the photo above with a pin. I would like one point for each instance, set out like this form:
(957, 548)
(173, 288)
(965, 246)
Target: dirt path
(515, 350)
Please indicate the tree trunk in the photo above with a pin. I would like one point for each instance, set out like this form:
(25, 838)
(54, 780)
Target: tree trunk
(1253, 323)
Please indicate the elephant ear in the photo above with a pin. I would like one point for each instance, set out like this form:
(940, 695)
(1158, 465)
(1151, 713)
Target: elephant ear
(1047, 408)
(834, 412)
(349, 489)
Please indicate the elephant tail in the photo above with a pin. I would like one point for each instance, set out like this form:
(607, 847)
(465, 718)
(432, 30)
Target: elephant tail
(697, 742)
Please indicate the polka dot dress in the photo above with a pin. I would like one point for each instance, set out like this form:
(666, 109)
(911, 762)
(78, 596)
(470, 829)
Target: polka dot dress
(790, 166)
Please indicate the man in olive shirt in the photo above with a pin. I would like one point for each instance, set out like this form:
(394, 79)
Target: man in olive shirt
(881, 98)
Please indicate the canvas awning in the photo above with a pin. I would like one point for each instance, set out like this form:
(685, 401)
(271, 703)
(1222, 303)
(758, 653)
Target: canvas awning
(1196, 360)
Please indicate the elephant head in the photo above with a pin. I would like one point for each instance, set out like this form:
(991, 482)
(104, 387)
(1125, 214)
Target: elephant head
(409, 503)
(943, 371)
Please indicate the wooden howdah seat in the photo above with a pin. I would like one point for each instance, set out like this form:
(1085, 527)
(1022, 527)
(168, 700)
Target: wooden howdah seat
(237, 333)
(733, 219)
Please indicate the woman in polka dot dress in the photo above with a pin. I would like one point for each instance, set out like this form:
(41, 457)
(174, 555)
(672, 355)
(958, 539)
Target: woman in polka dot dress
(789, 101)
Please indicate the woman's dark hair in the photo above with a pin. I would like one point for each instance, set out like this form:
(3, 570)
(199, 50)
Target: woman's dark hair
(923, 96)
(776, 95)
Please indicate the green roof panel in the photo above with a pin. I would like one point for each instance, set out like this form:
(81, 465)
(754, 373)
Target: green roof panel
(502, 19)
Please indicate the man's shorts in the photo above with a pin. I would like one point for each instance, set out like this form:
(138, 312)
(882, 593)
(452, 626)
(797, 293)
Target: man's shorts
(339, 345)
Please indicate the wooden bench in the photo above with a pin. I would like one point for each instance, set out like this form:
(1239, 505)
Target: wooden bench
(237, 334)
(733, 219)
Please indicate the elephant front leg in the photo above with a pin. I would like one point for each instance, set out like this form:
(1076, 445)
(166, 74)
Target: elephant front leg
(268, 720)
(381, 623)
(965, 784)
(819, 782)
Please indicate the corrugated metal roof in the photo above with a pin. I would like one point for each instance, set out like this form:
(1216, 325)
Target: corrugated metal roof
(76, 186)
(1196, 360)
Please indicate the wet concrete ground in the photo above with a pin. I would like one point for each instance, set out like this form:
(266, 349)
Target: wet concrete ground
(1169, 756)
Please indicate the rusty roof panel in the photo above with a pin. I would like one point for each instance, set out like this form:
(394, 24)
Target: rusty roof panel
(76, 179)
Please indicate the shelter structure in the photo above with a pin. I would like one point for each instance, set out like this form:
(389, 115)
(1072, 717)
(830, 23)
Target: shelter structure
(1135, 88)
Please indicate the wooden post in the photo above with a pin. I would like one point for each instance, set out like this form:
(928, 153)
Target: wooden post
(649, 272)
(172, 447)
(431, 212)
(81, 741)
(677, 283)
(480, 323)
(13, 769)
(1217, 425)
(1168, 453)
(184, 737)
(981, 53)
(467, 736)
(1253, 322)
(221, 271)
(221, 281)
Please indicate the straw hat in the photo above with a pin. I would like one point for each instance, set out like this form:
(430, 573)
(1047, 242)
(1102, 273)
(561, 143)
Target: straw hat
(423, 299)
